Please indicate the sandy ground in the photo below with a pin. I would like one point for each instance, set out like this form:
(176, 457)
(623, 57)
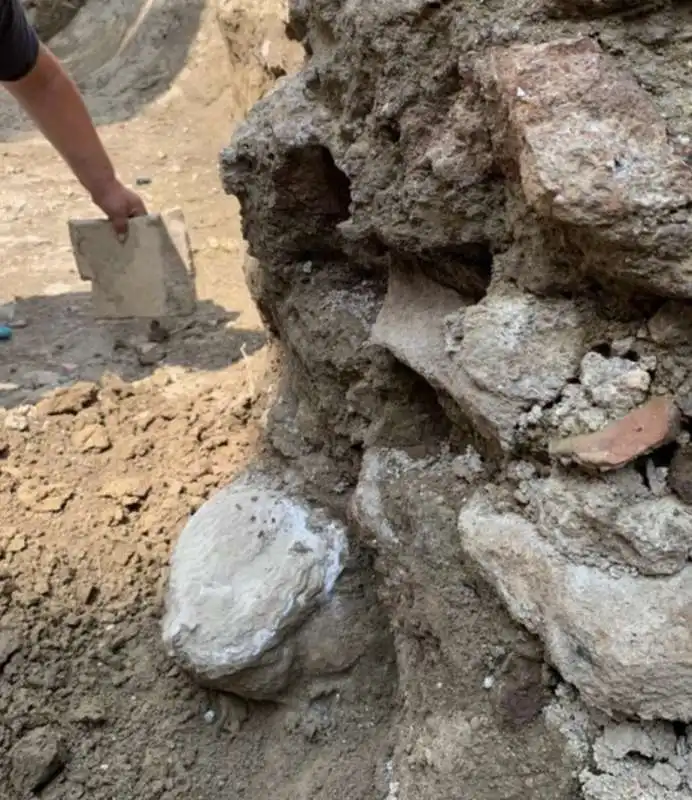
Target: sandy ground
(98, 475)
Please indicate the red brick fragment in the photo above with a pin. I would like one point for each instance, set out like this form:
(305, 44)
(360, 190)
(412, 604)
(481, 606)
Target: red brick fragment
(646, 428)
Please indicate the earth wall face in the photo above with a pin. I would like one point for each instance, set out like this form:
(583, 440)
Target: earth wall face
(469, 229)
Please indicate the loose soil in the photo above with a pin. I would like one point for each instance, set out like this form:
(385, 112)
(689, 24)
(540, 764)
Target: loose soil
(103, 456)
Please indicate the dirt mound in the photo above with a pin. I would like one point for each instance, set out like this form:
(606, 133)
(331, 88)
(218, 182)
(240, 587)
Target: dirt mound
(123, 54)
(96, 482)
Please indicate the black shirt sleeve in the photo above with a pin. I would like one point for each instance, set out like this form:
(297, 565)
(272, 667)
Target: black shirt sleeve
(19, 43)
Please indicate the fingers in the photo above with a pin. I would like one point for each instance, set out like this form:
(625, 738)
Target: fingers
(120, 226)
(133, 206)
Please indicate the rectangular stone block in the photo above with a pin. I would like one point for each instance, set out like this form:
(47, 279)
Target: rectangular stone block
(150, 275)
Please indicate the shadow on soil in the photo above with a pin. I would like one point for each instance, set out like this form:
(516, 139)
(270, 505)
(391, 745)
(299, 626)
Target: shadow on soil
(56, 342)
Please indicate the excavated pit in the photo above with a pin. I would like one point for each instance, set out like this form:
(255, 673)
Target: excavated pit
(51, 16)
(123, 54)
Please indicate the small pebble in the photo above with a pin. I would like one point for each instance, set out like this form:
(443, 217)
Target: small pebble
(36, 759)
(488, 682)
(209, 716)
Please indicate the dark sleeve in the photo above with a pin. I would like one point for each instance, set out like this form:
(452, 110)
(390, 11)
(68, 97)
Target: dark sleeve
(19, 42)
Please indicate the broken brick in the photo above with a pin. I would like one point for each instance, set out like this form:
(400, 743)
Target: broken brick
(646, 428)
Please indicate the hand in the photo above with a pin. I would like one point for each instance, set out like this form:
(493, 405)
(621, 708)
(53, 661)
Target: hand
(119, 204)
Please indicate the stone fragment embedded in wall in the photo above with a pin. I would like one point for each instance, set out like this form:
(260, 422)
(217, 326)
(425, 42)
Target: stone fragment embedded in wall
(495, 359)
(251, 571)
(608, 387)
(591, 153)
(613, 520)
(642, 761)
(616, 384)
(621, 639)
(636, 784)
(522, 347)
(655, 740)
(428, 193)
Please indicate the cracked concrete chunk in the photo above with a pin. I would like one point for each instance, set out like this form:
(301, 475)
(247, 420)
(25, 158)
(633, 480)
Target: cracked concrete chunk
(616, 384)
(593, 156)
(250, 568)
(151, 274)
(614, 520)
(636, 785)
(521, 347)
(652, 740)
(623, 641)
(512, 350)
(645, 429)
(619, 741)
(638, 760)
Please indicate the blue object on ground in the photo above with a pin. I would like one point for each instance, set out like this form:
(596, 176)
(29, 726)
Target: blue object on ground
(5, 333)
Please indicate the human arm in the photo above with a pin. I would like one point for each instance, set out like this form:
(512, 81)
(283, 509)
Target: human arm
(35, 77)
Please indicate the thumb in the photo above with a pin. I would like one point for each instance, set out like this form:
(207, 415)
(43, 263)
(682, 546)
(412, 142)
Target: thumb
(120, 226)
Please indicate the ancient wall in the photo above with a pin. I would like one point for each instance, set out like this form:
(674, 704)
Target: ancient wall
(469, 228)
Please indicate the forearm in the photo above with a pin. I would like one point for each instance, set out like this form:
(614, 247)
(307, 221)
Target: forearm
(53, 101)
